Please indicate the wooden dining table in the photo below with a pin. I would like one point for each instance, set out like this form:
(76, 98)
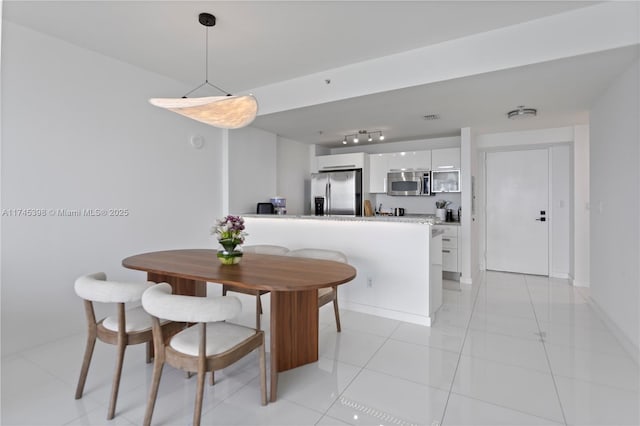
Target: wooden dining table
(292, 281)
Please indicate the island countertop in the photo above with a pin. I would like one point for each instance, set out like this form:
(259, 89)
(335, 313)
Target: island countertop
(411, 218)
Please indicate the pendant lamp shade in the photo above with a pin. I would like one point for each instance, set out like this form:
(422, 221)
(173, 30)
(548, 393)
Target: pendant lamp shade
(226, 112)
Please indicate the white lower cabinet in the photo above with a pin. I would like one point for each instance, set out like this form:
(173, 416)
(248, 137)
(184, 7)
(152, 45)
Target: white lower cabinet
(449, 247)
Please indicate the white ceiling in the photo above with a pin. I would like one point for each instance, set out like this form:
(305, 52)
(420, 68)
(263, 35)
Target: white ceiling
(256, 43)
(562, 92)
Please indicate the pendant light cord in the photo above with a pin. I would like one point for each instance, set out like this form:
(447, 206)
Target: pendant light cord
(206, 68)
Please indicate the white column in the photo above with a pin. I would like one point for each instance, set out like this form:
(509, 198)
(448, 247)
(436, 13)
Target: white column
(467, 239)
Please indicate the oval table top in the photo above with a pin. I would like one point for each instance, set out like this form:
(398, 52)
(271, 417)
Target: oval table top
(256, 271)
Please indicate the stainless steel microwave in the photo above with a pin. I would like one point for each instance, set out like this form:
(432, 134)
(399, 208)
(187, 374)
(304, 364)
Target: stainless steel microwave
(410, 182)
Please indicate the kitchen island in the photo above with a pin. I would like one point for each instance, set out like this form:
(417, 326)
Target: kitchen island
(398, 259)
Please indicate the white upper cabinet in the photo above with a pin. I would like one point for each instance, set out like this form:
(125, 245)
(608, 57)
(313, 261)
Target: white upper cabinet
(445, 170)
(341, 161)
(445, 159)
(378, 168)
(398, 161)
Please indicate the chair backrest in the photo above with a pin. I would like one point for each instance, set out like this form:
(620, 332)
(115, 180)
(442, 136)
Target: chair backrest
(158, 301)
(323, 254)
(96, 288)
(266, 249)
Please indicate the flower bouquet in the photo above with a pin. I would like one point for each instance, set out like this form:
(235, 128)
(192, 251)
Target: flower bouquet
(230, 233)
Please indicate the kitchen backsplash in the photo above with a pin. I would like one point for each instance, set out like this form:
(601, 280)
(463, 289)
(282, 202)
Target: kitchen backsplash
(414, 205)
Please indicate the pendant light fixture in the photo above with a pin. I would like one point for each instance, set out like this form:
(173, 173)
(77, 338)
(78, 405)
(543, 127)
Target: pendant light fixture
(227, 111)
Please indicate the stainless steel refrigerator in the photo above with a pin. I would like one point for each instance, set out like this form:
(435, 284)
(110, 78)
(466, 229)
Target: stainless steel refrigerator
(337, 193)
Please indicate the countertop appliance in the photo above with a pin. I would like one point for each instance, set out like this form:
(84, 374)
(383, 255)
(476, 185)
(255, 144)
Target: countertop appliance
(265, 208)
(337, 193)
(280, 205)
(409, 182)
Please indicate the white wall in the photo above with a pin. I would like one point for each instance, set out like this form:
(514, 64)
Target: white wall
(78, 133)
(293, 174)
(560, 211)
(252, 169)
(615, 204)
(580, 246)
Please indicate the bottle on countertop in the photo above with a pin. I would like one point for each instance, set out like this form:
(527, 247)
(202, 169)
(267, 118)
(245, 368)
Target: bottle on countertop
(449, 215)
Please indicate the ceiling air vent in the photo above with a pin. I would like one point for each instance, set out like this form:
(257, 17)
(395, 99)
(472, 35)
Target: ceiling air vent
(431, 117)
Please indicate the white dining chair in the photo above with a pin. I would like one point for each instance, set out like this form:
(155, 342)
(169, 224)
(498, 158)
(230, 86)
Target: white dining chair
(210, 344)
(329, 294)
(260, 249)
(127, 327)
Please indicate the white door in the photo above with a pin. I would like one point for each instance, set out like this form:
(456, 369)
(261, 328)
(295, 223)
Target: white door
(518, 211)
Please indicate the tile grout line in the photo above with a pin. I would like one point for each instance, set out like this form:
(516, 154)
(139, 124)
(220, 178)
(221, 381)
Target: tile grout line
(546, 354)
(387, 338)
(464, 340)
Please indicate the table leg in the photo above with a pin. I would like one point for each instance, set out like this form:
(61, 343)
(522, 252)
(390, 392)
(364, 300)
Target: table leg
(294, 332)
(181, 286)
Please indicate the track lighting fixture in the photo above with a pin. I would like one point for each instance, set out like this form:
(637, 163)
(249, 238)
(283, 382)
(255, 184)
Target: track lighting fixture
(355, 138)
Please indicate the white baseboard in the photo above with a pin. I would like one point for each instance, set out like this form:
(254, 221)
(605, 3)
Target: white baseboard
(584, 284)
(474, 278)
(560, 275)
(387, 313)
(626, 343)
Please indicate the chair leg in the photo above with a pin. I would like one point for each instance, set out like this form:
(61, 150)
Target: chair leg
(116, 380)
(153, 393)
(336, 310)
(149, 351)
(197, 413)
(263, 374)
(258, 311)
(212, 379)
(88, 353)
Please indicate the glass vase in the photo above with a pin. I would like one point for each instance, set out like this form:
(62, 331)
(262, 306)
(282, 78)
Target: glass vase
(228, 244)
(229, 257)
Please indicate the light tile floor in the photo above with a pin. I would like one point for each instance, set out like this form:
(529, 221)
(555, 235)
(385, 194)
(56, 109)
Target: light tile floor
(513, 350)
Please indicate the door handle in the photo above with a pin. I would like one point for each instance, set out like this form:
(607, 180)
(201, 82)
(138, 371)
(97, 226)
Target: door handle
(542, 219)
